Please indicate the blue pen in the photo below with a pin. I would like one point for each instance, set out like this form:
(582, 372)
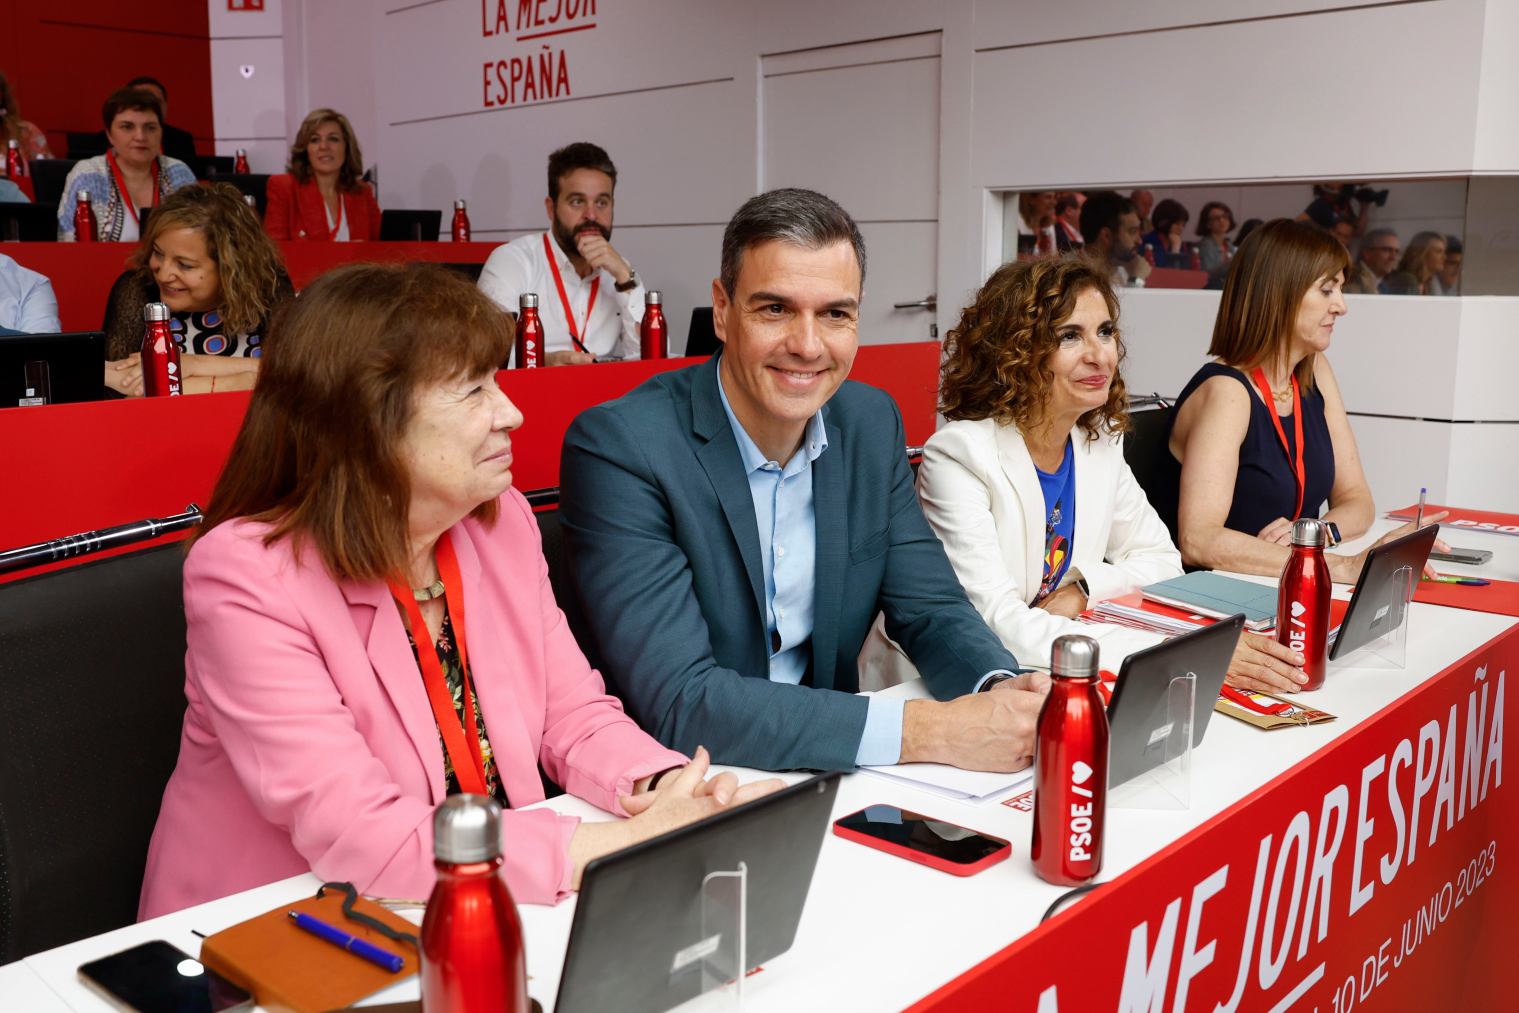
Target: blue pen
(357, 947)
(1446, 578)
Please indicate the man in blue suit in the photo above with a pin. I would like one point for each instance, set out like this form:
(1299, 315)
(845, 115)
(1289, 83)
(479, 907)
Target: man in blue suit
(734, 528)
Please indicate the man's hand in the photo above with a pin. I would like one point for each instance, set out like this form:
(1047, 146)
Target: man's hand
(1139, 267)
(124, 376)
(574, 357)
(1263, 664)
(1065, 601)
(598, 252)
(978, 731)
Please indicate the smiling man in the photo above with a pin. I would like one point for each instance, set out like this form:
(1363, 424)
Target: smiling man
(589, 297)
(735, 527)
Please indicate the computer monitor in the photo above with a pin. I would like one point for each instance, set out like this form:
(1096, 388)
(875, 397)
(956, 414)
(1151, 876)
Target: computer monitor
(28, 223)
(254, 184)
(410, 226)
(701, 339)
(37, 369)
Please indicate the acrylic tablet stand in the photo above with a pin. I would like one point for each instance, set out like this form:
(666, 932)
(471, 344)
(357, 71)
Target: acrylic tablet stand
(1389, 650)
(723, 951)
(1168, 784)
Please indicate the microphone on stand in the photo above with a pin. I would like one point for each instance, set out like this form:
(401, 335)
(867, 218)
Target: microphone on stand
(89, 542)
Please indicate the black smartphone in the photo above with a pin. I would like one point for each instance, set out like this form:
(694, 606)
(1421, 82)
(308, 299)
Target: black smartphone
(156, 977)
(1471, 557)
(917, 838)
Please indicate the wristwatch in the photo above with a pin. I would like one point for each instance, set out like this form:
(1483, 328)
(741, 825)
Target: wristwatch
(630, 284)
(1332, 531)
(995, 678)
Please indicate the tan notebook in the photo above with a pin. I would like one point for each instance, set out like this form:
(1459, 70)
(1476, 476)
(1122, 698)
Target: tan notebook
(289, 970)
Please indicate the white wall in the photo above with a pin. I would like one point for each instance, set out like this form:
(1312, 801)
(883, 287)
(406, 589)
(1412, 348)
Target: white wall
(248, 83)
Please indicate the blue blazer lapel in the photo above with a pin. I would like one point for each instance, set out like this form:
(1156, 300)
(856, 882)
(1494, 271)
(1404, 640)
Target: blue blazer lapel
(830, 498)
(719, 457)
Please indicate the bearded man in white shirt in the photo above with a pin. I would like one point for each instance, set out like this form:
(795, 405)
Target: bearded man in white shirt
(589, 297)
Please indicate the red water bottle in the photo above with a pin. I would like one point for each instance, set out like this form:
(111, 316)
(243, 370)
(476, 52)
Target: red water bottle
(529, 332)
(160, 355)
(15, 165)
(1070, 767)
(1302, 603)
(1195, 257)
(240, 162)
(1149, 253)
(472, 955)
(84, 219)
(653, 333)
(461, 222)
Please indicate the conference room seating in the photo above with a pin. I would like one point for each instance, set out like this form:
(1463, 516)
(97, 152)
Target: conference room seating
(28, 223)
(253, 184)
(48, 176)
(1146, 452)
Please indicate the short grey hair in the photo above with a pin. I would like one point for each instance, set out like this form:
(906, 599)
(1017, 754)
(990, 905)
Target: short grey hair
(804, 218)
(1374, 234)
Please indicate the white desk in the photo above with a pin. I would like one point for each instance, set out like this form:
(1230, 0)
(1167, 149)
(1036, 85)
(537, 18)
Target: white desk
(864, 904)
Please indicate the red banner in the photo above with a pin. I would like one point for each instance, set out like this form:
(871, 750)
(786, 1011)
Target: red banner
(1370, 876)
(1460, 517)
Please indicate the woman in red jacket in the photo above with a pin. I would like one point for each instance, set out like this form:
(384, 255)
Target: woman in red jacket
(322, 195)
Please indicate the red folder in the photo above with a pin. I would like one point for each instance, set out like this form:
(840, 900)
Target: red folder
(1501, 597)
(1462, 519)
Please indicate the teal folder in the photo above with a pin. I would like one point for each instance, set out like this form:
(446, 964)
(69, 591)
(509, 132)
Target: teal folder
(1212, 594)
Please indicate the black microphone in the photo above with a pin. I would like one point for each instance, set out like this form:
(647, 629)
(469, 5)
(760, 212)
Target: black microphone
(88, 542)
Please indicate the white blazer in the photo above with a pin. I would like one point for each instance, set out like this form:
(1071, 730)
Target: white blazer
(981, 495)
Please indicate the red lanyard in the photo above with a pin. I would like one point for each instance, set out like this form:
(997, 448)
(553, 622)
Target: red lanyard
(564, 300)
(462, 743)
(1293, 458)
(121, 184)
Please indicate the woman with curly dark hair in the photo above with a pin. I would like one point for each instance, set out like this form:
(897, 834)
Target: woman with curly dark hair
(206, 257)
(1026, 485)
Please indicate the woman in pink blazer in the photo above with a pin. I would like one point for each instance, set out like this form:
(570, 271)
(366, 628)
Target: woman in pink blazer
(322, 195)
(367, 497)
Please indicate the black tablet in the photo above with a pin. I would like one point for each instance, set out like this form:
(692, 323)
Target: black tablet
(1380, 602)
(39, 369)
(1142, 732)
(654, 923)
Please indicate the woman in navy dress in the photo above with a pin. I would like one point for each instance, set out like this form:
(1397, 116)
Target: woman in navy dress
(1261, 431)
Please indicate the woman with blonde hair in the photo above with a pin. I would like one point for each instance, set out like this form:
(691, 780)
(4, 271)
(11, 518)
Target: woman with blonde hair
(1026, 484)
(1261, 432)
(207, 258)
(1420, 268)
(322, 194)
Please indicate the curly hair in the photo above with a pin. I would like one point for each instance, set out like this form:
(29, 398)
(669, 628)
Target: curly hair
(994, 362)
(249, 265)
(351, 175)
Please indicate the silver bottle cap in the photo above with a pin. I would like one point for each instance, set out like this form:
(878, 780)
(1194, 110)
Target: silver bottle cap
(155, 312)
(459, 204)
(242, 151)
(652, 298)
(467, 828)
(84, 196)
(250, 200)
(1307, 531)
(1073, 656)
(529, 300)
(11, 143)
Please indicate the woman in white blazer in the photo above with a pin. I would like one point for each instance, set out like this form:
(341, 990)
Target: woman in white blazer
(1026, 485)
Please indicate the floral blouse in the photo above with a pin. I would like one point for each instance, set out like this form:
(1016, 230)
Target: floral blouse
(453, 674)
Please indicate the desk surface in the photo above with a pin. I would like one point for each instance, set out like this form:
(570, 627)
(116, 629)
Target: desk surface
(865, 903)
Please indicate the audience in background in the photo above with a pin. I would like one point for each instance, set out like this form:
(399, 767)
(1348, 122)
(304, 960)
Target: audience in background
(1345, 231)
(589, 297)
(206, 257)
(1418, 272)
(1036, 220)
(1249, 226)
(1110, 229)
(1144, 202)
(1068, 220)
(1214, 251)
(1450, 275)
(31, 140)
(1379, 256)
(1036, 403)
(27, 303)
(366, 502)
(1165, 242)
(133, 174)
(176, 143)
(1240, 490)
(322, 194)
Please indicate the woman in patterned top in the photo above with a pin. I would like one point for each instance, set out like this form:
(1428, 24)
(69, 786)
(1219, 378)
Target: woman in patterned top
(31, 141)
(133, 174)
(207, 258)
(370, 625)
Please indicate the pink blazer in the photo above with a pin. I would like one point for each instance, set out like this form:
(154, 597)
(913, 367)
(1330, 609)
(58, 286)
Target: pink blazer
(308, 741)
(295, 210)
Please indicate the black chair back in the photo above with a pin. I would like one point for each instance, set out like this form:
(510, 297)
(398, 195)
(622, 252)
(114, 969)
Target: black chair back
(1146, 450)
(48, 175)
(252, 184)
(87, 144)
(92, 673)
(701, 338)
(401, 226)
(28, 223)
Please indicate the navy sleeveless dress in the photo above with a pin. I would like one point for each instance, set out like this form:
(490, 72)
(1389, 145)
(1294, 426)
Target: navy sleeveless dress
(1265, 488)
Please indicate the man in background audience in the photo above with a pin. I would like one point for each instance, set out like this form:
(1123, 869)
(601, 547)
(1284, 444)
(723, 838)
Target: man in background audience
(1110, 227)
(589, 296)
(1068, 220)
(735, 527)
(1380, 251)
(1144, 203)
(27, 303)
(1450, 274)
(177, 143)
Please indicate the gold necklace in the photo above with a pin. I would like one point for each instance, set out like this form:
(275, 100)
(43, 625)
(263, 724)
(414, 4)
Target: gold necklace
(428, 593)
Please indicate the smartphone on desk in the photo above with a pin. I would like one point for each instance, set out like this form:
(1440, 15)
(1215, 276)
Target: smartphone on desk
(1471, 557)
(156, 977)
(935, 843)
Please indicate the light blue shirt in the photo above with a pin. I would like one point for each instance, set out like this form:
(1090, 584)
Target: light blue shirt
(27, 302)
(787, 523)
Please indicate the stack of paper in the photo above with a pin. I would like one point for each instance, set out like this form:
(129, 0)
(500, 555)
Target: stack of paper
(1138, 612)
(952, 782)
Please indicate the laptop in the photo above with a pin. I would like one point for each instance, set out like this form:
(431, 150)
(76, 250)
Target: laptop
(701, 337)
(1141, 732)
(410, 226)
(39, 369)
(1380, 604)
(641, 941)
